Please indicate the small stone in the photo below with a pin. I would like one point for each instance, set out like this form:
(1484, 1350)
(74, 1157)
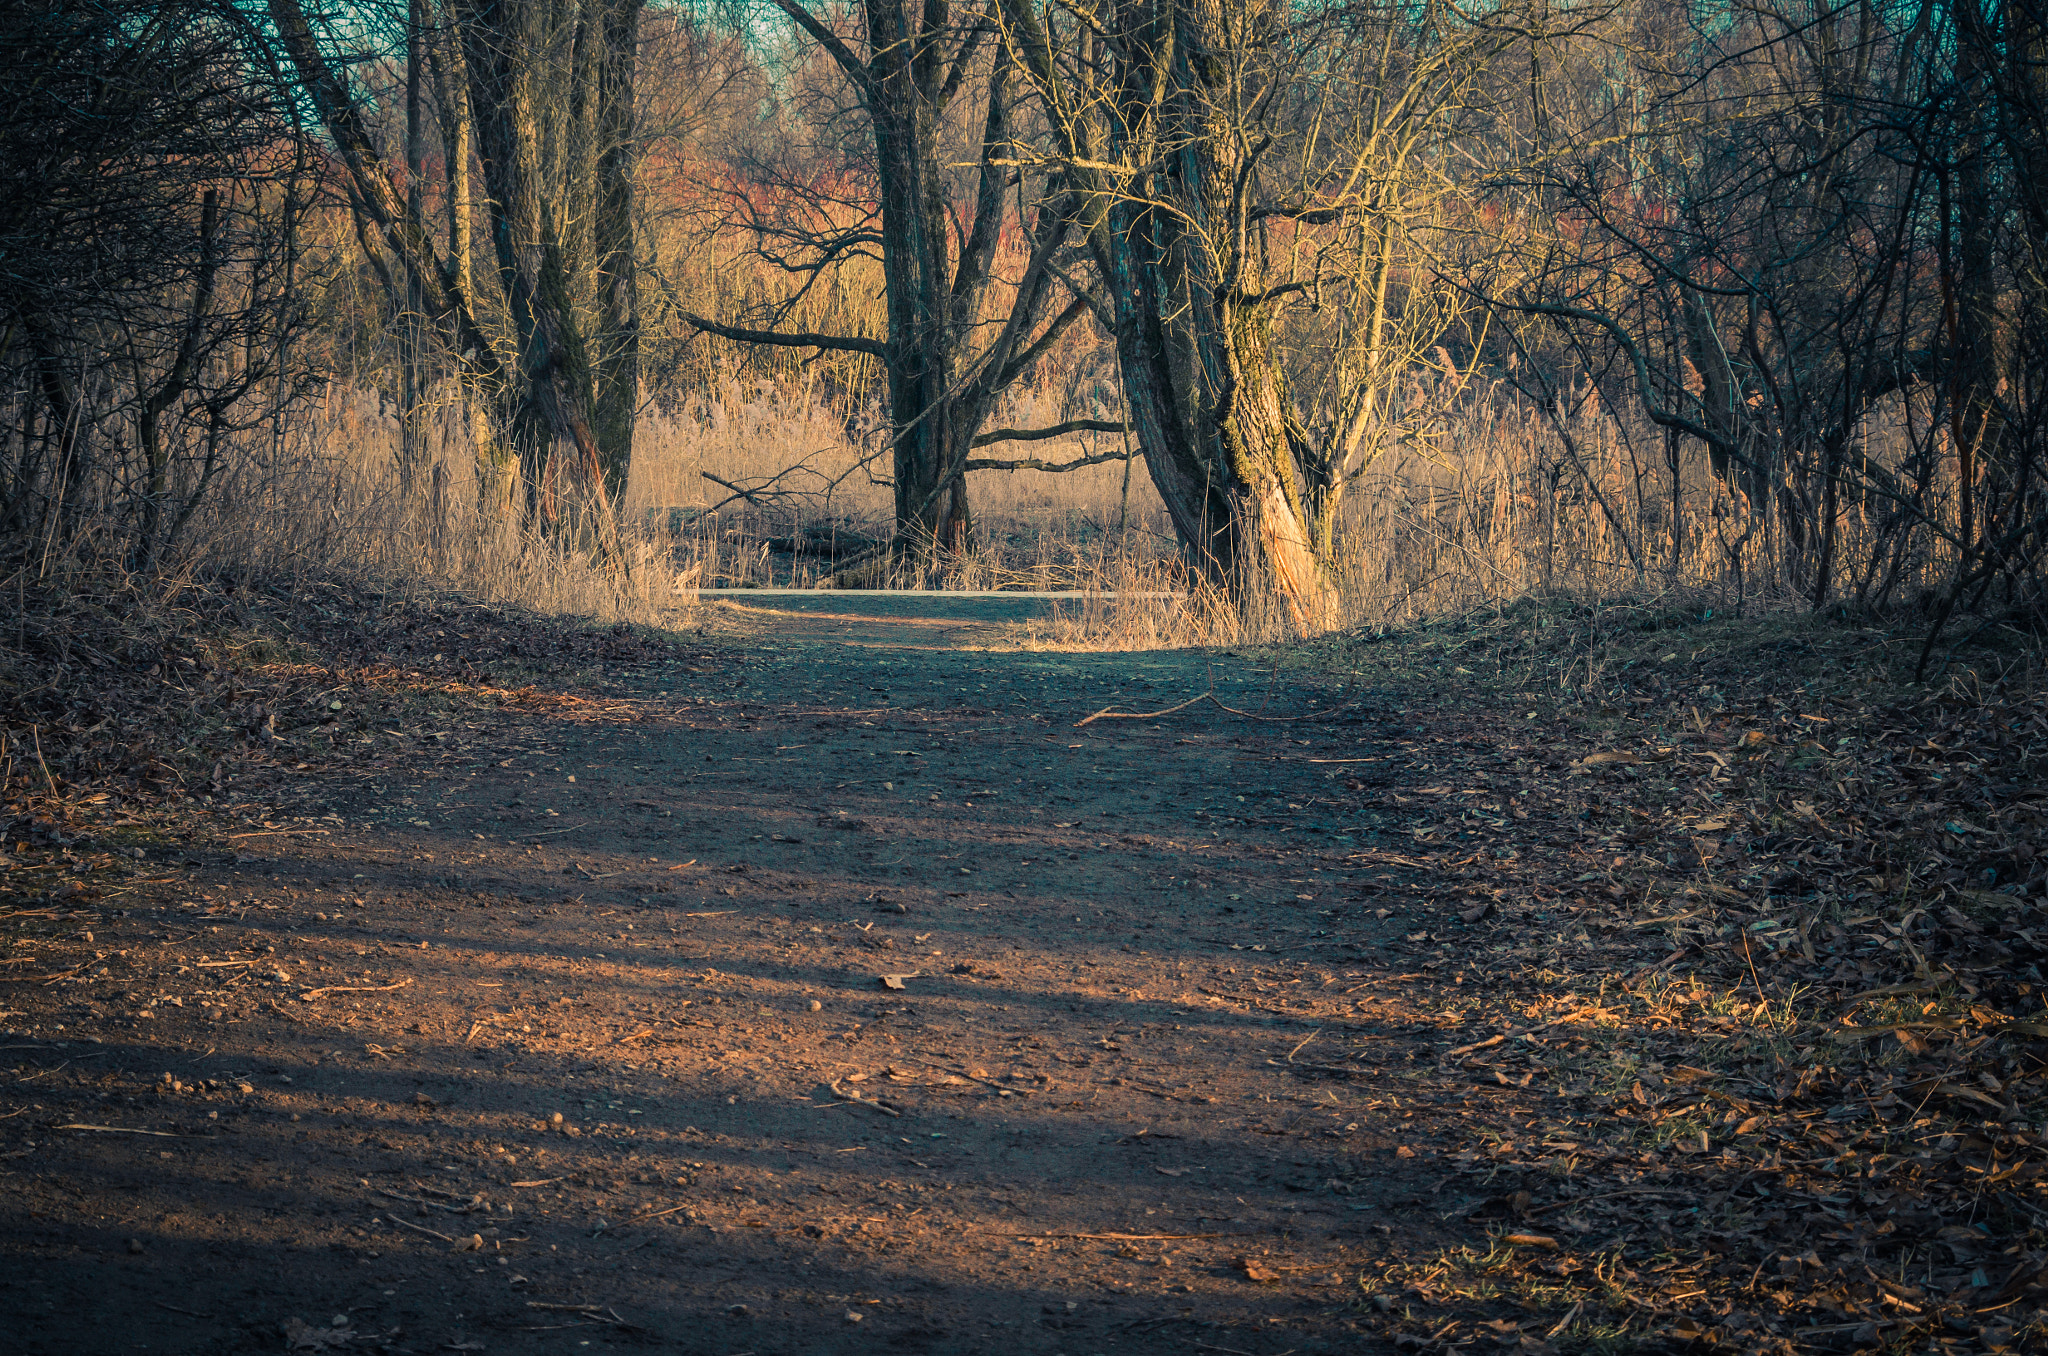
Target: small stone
(135, 1245)
(816, 1006)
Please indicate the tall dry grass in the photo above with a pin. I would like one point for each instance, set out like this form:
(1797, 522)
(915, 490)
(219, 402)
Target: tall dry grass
(1496, 506)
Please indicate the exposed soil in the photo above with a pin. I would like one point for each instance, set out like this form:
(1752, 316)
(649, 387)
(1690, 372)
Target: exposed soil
(658, 917)
(537, 1018)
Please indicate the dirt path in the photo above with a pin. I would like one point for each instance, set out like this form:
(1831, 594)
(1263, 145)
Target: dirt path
(518, 987)
(570, 1031)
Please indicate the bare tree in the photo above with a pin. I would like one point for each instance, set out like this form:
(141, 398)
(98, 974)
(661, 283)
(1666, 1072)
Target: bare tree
(1241, 166)
(544, 93)
(151, 299)
(955, 335)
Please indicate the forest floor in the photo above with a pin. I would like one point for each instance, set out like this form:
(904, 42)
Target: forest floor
(392, 977)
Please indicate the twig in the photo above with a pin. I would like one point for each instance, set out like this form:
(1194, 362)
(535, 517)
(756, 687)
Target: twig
(190, 1313)
(657, 1214)
(418, 1228)
(962, 1073)
(120, 1130)
(855, 1099)
(469, 1208)
(276, 833)
(311, 994)
(1111, 713)
(591, 1311)
(36, 733)
(1304, 1044)
(1504, 1037)
(1752, 972)
(1142, 1238)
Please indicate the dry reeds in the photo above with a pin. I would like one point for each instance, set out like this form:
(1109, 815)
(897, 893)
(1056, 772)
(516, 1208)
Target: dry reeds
(762, 485)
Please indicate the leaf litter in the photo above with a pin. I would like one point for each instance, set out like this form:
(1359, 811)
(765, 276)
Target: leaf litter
(1770, 1024)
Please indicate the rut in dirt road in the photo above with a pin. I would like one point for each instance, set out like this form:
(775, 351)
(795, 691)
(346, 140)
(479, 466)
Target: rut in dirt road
(586, 1028)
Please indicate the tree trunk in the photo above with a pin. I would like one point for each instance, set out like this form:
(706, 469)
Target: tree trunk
(548, 403)
(618, 298)
(931, 506)
(1208, 400)
(412, 332)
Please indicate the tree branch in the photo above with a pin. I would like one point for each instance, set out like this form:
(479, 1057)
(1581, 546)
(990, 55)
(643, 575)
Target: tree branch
(1645, 392)
(1034, 464)
(1032, 435)
(855, 69)
(1075, 309)
(742, 335)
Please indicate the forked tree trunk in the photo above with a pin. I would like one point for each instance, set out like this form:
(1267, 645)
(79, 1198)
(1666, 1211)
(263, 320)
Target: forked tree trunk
(532, 409)
(1208, 400)
(548, 405)
(944, 372)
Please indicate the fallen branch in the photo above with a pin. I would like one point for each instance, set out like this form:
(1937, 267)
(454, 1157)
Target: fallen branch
(1111, 713)
(121, 1130)
(1140, 1238)
(1038, 464)
(311, 994)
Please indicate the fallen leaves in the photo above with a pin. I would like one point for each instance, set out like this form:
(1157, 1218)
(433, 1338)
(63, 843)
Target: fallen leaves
(1817, 935)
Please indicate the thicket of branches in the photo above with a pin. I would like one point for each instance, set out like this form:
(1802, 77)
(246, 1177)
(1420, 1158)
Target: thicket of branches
(1799, 245)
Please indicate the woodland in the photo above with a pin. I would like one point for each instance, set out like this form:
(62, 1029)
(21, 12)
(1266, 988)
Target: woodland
(1246, 676)
(1391, 309)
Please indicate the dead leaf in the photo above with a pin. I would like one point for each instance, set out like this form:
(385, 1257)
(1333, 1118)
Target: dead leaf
(1255, 1271)
(896, 981)
(1544, 1241)
(1614, 758)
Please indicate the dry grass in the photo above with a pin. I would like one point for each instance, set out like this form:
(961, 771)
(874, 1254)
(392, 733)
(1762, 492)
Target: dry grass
(765, 486)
